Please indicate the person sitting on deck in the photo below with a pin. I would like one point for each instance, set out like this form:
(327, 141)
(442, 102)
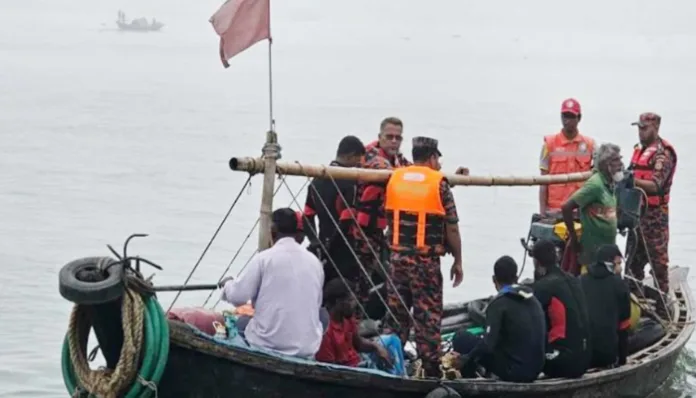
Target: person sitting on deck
(609, 306)
(342, 344)
(284, 284)
(568, 344)
(514, 344)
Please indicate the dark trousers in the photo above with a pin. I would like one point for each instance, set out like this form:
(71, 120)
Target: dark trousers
(463, 343)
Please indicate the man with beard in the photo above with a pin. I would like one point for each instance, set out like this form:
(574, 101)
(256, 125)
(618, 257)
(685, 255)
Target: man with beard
(596, 202)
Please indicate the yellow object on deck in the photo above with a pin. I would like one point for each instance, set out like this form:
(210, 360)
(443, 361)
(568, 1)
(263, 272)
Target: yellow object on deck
(635, 313)
(635, 307)
(561, 230)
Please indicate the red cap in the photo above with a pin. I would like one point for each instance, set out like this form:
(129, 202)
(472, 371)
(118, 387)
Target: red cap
(298, 214)
(571, 105)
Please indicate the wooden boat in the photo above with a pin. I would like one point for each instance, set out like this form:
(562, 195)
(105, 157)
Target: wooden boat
(198, 365)
(192, 364)
(226, 371)
(138, 24)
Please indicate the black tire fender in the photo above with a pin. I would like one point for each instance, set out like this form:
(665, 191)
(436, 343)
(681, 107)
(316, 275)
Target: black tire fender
(82, 282)
(647, 333)
(443, 392)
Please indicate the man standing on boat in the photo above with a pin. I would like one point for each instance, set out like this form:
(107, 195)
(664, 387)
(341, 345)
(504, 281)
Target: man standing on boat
(653, 164)
(367, 234)
(596, 203)
(567, 151)
(423, 227)
(333, 207)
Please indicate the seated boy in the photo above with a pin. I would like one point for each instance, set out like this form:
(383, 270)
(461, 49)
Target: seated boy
(341, 343)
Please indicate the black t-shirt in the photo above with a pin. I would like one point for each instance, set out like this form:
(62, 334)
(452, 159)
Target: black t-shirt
(324, 202)
(568, 324)
(609, 307)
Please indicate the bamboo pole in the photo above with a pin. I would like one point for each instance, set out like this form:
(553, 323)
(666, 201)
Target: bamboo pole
(257, 165)
(267, 165)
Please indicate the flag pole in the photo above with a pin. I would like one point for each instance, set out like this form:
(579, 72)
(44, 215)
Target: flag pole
(271, 153)
(270, 83)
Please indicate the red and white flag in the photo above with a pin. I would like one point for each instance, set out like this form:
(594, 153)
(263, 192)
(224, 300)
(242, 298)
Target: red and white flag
(241, 24)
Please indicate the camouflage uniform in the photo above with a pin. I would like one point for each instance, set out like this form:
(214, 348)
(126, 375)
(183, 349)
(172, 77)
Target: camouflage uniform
(375, 158)
(418, 281)
(654, 224)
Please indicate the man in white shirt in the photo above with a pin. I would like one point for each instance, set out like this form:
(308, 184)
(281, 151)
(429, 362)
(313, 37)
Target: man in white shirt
(284, 284)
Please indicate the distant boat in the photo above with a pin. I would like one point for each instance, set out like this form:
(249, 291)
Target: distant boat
(138, 25)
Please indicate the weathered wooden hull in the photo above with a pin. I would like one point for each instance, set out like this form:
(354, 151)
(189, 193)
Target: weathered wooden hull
(198, 367)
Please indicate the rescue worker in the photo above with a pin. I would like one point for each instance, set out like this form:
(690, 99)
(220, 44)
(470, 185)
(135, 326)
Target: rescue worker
(654, 163)
(514, 345)
(609, 307)
(369, 205)
(567, 151)
(596, 202)
(568, 345)
(423, 226)
(333, 207)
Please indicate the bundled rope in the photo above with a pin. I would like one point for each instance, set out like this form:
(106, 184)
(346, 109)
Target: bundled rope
(145, 335)
(108, 383)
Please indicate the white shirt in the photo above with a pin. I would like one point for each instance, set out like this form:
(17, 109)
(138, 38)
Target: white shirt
(284, 284)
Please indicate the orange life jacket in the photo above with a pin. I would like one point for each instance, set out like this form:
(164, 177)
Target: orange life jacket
(644, 169)
(414, 209)
(567, 156)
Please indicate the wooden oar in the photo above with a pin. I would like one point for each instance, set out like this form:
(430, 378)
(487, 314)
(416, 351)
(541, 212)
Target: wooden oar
(181, 288)
(256, 165)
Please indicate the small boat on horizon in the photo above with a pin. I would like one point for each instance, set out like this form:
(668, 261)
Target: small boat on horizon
(138, 24)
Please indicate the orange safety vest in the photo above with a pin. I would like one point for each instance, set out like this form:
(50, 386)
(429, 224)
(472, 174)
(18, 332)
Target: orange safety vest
(567, 157)
(415, 211)
(644, 169)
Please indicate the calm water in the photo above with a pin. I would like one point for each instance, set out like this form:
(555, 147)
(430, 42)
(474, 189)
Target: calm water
(106, 133)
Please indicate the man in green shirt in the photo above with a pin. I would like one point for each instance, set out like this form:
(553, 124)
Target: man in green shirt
(596, 202)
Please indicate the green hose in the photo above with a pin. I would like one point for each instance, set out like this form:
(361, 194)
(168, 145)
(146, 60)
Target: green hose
(155, 355)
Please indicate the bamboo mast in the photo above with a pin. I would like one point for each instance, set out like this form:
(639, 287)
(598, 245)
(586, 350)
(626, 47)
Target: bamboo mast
(271, 153)
(266, 165)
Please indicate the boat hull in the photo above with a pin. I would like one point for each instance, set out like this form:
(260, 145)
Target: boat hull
(193, 374)
(199, 367)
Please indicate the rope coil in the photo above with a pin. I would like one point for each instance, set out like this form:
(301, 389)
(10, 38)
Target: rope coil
(145, 335)
(107, 383)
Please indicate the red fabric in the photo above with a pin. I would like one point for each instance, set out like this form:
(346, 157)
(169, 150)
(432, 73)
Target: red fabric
(557, 319)
(300, 224)
(337, 345)
(571, 105)
(241, 24)
(371, 193)
(570, 260)
(200, 318)
(309, 211)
